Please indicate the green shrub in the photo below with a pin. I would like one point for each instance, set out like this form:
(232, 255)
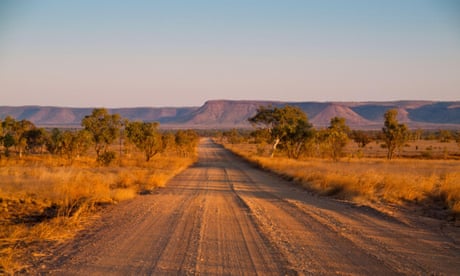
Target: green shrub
(106, 158)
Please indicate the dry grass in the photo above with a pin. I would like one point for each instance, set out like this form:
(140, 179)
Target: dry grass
(421, 149)
(428, 183)
(44, 199)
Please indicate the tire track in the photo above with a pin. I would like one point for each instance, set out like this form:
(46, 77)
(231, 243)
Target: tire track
(349, 244)
(229, 242)
(307, 256)
(385, 244)
(283, 262)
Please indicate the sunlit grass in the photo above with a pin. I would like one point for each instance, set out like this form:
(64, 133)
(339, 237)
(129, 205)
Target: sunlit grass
(400, 181)
(46, 198)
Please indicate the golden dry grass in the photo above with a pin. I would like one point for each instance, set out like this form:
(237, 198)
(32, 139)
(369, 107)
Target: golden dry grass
(429, 183)
(46, 199)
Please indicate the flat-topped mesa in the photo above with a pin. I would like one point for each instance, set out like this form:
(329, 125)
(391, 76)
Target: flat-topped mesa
(226, 114)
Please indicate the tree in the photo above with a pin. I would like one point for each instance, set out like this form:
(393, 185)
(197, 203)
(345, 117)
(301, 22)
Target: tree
(145, 137)
(54, 142)
(288, 126)
(395, 134)
(36, 139)
(8, 142)
(21, 130)
(265, 119)
(416, 134)
(337, 137)
(81, 142)
(233, 136)
(168, 140)
(321, 145)
(69, 143)
(297, 141)
(74, 143)
(361, 138)
(14, 134)
(186, 141)
(260, 136)
(103, 127)
(445, 136)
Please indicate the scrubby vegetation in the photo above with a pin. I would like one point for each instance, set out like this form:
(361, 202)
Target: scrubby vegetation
(53, 182)
(393, 165)
(432, 184)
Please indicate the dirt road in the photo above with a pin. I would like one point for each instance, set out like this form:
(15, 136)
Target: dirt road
(223, 216)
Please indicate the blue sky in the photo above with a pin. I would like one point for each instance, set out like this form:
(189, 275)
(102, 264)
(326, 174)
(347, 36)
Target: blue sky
(181, 53)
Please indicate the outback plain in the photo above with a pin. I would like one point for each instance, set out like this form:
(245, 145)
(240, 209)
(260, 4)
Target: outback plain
(125, 197)
(229, 137)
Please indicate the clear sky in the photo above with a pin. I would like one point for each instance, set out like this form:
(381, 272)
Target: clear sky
(87, 53)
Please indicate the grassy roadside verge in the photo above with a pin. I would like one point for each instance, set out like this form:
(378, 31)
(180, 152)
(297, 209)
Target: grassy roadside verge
(432, 185)
(45, 200)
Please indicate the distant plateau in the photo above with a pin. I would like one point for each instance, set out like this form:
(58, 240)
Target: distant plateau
(226, 114)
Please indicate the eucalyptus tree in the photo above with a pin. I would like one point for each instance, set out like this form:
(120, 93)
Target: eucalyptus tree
(36, 139)
(104, 129)
(146, 137)
(168, 139)
(287, 126)
(54, 142)
(15, 134)
(186, 141)
(337, 137)
(361, 138)
(73, 144)
(9, 134)
(395, 134)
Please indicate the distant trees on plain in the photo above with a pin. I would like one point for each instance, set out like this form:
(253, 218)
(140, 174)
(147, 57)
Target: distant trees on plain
(287, 131)
(100, 131)
(284, 130)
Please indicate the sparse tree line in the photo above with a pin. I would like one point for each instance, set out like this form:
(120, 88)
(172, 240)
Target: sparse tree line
(287, 131)
(101, 131)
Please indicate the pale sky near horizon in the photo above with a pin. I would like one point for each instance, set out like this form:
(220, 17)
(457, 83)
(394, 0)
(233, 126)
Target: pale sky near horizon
(181, 53)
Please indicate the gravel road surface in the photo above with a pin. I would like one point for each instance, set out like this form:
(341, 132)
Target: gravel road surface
(223, 216)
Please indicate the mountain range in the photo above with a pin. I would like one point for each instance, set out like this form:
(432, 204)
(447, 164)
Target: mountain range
(225, 114)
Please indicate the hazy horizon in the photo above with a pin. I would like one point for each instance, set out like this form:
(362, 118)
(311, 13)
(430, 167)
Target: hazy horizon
(200, 105)
(119, 54)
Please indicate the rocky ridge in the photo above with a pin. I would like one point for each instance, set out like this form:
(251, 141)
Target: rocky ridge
(224, 114)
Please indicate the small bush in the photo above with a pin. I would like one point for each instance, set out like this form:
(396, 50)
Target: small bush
(106, 158)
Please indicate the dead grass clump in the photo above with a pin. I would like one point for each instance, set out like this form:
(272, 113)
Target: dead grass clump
(122, 194)
(158, 179)
(129, 178)
(17, 238)
(449, 191)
